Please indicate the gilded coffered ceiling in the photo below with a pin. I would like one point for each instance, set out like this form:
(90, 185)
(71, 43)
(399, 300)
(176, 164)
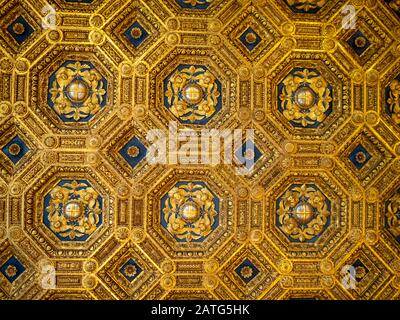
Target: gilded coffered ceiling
(86, 214)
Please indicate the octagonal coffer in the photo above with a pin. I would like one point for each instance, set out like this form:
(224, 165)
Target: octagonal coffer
(303, 212)
(192, 94)
(193, 87)
(77, 91)
(73, 210)
(305, 98)
(190, 211)
(311, 96)
(308, 214)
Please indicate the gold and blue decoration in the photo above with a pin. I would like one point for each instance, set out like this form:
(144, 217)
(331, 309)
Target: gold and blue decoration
(305, 6)
(192, 94)
(190, 211)
(250, 39)
(305, 98)
(20, 29)
(133, 152)
(136, 34)
(73, 210)
(303, 213)
(194, 4)
(392, 215)
(77, 91)
(130, 270)
(359, 157)
(248, 154)
(359, 42)
(392, 100)
(15, 149)
(12, 269)
(361, 271)
(247, 271)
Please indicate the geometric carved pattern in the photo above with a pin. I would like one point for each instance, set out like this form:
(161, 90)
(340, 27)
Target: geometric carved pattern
(365, 156)
(316, 217)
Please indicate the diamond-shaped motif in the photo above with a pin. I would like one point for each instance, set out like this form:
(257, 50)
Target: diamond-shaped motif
(252, 34)
(133, 152)
(368, 41)
(135, 29)
(366, 156)
(247, 271)
(12, 269)
(248, 154)
(359, 43)
(129, 273)
(364, 273)
(16, 272)
(130, 270)
(20, 29)
(136, 34)
(130, 152)
(359, 157)
(250, 39)
(19, 24)
(15, 149)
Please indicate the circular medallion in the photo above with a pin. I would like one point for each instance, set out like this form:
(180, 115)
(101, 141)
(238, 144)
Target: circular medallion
(246, 272)
(360, 42)
(18, 28)
(303, 213)
(360, 272)
(11, 271)
(133, 152)
(190, 212)
(305, 97)
(251, 38)
(77, 91)
(249, 154)
(73, 210)
(192, 93)
(130, 270)
(14, 149)
(136, 33)
(361, 157)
